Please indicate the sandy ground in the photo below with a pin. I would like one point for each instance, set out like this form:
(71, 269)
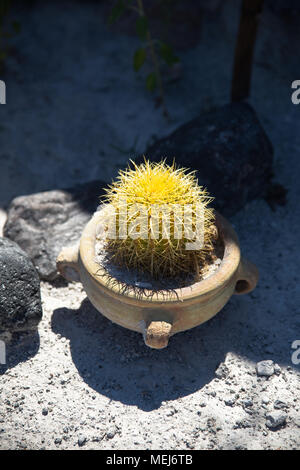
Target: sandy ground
(82, 382)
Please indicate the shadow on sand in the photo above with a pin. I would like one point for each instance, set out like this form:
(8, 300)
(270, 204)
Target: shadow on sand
(21, 348)
(115, 362)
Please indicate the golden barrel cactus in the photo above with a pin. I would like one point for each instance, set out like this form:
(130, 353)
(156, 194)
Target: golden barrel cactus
(161, 219)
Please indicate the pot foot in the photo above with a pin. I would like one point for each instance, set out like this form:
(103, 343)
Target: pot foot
(157, 334)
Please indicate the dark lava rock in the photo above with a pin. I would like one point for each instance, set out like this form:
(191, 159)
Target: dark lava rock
(20, 301)
(230, 150)
(43, 223)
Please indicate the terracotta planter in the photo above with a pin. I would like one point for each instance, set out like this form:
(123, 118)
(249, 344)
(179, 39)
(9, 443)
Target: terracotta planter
(158, 315)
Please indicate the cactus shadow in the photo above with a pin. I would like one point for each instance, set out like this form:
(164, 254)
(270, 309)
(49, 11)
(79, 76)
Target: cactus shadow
(115, 362)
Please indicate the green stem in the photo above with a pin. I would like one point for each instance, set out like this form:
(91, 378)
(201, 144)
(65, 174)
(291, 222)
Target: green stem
(155, 61)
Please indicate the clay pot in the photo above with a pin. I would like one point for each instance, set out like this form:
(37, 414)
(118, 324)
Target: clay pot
(160, 314)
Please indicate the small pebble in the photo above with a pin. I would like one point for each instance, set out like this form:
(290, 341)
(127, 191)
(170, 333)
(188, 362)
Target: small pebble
(277, 369)
(81, 440)
(280, 405)
(229, 402)
(222, 371)
(296, 420)
(111, 433)
(247, 402)
(274, 419)
(265, 368)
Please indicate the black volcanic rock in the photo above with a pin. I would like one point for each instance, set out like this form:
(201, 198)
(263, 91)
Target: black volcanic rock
(20, 302)
(230, 150)
(43, 223)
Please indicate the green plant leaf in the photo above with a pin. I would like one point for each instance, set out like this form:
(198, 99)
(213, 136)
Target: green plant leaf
(142, 27)
(139, 58)
(117, 10)
(167, 54)
(151, 82)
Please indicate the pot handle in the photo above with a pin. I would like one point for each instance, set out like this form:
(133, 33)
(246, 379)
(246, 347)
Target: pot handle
(67, 263)
(247, 277)
(157, 334)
